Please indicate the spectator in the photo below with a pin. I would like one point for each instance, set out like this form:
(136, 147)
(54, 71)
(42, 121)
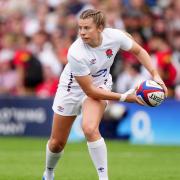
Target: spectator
(129, 78)
(48, 87)
(8, 76)
(162, 56)
(176, 55)
(47, 29)
(29, 70)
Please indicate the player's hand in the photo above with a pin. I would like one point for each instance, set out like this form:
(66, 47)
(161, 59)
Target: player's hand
(158, 79)
(132, 98)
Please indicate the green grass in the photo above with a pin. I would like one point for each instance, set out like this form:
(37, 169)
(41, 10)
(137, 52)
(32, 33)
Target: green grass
(23, 159)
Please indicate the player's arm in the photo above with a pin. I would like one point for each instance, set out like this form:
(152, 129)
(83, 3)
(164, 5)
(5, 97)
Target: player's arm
(145, 60)
(98, 93)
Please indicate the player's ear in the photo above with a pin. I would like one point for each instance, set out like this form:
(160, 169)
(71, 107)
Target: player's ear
(100, 28)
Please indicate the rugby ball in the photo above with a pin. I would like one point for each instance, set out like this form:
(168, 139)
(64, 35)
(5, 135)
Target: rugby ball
(151, 93)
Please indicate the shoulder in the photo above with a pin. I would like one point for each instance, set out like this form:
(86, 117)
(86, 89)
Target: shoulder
(77, 49)
(121, 38)
(115, 33)
(77, 58)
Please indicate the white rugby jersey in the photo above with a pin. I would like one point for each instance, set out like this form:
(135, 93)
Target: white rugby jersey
(84, 60)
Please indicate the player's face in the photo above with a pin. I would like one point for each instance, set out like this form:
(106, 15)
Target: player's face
(89, 32)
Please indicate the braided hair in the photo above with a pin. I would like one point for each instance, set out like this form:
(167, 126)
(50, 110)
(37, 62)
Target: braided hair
(98, 16)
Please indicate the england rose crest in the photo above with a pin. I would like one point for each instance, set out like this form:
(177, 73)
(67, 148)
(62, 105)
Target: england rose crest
(109, 53)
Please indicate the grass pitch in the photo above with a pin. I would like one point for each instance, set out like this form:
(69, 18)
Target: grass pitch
(23, 159)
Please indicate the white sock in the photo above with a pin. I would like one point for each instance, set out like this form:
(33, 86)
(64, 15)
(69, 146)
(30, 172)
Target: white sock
(98, 153)
(51, 161)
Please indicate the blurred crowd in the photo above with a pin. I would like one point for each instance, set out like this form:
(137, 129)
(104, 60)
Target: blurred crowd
(35, 36)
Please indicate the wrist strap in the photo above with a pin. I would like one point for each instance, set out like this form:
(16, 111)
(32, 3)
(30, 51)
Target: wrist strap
(123, 97)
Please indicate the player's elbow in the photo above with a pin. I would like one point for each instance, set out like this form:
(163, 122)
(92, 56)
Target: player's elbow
(90, 93)
(93, 96)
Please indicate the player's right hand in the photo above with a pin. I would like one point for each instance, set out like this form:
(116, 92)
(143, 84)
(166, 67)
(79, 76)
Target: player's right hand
(132, 98)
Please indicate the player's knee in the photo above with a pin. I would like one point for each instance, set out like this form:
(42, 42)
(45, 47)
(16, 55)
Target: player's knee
(56, 145)
(88, 130)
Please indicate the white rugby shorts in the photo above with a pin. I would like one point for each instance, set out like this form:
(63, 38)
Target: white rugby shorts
(69, 103)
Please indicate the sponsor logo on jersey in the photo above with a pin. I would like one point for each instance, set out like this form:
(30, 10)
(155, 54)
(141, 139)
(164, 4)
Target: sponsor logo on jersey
(92, 61)
(109, 53)
(101, 72)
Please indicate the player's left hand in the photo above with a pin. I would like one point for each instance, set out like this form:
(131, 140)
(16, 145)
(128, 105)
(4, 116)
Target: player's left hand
(132, 98)
(158, 79)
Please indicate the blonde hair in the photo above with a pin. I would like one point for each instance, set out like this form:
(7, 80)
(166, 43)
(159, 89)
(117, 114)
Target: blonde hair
(97, 16)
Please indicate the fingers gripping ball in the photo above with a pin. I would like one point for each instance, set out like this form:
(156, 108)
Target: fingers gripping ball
(151, 93)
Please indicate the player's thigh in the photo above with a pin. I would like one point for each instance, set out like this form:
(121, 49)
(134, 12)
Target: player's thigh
(61, 127)
(93, 111)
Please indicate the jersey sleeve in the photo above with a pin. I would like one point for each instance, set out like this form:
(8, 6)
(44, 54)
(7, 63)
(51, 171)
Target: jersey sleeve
(78, 66)
(124, 40)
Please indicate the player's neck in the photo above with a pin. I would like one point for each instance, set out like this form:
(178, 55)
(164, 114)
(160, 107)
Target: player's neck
(97, 42)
